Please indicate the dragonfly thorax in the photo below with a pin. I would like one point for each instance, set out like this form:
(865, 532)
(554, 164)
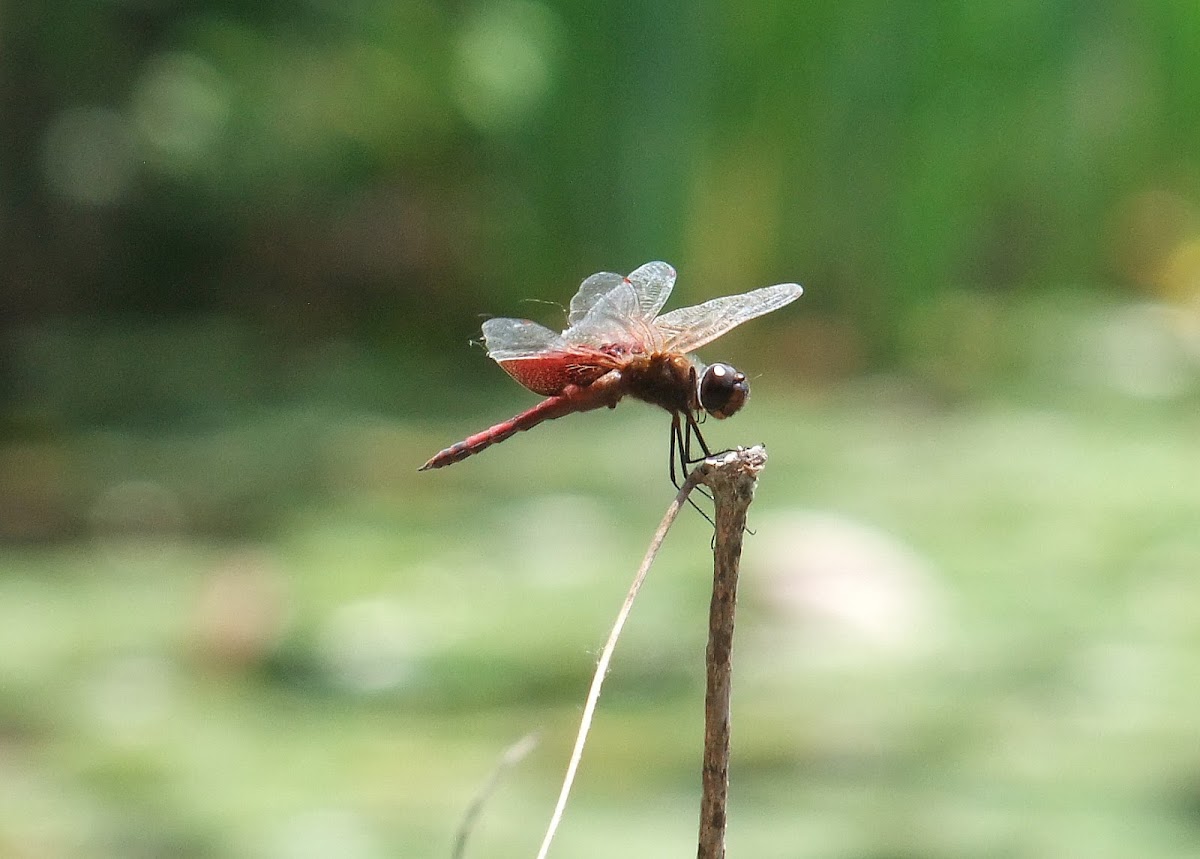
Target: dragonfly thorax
(722, 390)
(664, 379)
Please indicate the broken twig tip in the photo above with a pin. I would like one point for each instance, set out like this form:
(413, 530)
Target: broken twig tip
(732, 476)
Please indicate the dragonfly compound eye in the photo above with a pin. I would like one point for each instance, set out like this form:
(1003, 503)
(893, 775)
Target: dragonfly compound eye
(723, 390)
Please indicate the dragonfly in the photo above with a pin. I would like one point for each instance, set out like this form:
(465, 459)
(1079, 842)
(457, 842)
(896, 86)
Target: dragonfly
(616, 345)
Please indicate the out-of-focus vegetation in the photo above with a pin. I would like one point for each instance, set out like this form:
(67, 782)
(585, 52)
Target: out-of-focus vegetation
(244, 248)
(392, 169)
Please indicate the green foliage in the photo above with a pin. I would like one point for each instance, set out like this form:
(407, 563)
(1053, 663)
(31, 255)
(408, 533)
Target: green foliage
(325, 168)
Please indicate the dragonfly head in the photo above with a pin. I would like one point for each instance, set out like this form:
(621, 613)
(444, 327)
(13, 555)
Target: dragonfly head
(722, 390)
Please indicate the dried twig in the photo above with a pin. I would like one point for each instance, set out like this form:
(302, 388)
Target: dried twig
(732, 477)
(512, 756)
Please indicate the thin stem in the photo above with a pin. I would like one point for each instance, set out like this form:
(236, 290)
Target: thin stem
(589, 708)
(512, 756)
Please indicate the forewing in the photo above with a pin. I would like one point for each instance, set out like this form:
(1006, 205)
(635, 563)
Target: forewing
(509, 339)
(652, 283)
(689, 328)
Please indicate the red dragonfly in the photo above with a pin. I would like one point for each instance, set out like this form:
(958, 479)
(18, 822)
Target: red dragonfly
(617, 345)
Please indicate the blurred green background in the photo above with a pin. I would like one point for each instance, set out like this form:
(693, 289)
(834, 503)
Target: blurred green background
(245, 247)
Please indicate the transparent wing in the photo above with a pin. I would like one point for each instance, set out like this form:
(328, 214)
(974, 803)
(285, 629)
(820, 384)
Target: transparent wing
(590, 291)
(621, 320)
(510, 339)
(652, 284)
(614, 324)
(689, 328)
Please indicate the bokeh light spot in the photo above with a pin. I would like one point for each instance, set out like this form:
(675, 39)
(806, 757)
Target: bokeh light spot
(1148, 225)
(130, 696)
(322, 833)
(846, 589)
(180, 105)
(1139, 352)
(138, 508)
(369, 646)
(504, 62)
(1180, 277)
(88, 155)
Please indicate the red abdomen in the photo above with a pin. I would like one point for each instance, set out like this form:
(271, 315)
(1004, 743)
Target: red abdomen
(572, 399)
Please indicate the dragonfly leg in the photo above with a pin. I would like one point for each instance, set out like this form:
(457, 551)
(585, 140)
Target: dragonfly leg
(693, 429)
(677, 452)
(681, 446)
